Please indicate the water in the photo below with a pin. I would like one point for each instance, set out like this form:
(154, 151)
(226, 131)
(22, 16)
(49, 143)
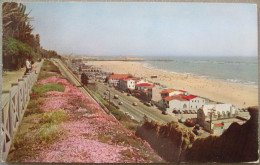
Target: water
(241, 70)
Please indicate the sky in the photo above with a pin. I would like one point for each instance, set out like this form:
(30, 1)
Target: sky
(146, 28)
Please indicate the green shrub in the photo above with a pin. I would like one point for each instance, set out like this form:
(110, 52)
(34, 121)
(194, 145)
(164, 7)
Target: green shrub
(41, 89)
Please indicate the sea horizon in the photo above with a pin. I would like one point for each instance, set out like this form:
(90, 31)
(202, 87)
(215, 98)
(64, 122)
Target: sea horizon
(241, 70)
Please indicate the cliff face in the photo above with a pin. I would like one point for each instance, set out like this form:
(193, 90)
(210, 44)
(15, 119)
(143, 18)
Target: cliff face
(169, 140)
(238, 143)
(174, 143)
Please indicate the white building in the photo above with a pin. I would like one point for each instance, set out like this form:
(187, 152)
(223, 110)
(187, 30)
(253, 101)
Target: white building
(113, 79)
(182, 102)
(142, 86)
(217, 110)
(127, 84)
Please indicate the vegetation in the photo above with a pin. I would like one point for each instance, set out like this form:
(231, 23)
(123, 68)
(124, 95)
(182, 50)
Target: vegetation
(18, 41)
(119, 115)
(41, 89)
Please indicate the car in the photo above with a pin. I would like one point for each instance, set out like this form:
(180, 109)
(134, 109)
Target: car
(164, 112)
(196, 132)
(132, 117)
(189, 123)
(117, 107)
(115, 96)
(127, 113)
(120, 103)
(105, 93)
(135, 103)
(148, 104)
(122, 92)
(190, 111)
(181, 120)
(128, 94)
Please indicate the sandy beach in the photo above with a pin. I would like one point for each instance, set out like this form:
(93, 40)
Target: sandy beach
(238, 95)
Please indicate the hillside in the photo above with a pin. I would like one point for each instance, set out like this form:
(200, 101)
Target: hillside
(63, 125)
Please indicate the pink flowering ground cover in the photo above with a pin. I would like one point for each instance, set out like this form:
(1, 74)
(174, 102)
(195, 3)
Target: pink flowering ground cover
(89, 135)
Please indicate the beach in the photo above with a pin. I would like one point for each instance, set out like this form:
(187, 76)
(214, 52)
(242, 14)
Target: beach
(241, 96)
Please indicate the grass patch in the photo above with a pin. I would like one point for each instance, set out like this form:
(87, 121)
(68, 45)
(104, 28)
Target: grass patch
(49, 66)
(55, 117)
(41, 89)
(33, 107)
(44, 75)
(38, 130)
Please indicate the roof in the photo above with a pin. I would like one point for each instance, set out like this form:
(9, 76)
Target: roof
(176, 97)
(190, 97)
(167, 91)
(182, 91)
(119, 76)
(143, 85)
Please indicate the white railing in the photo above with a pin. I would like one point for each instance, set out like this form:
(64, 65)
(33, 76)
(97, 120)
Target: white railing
(14, 103)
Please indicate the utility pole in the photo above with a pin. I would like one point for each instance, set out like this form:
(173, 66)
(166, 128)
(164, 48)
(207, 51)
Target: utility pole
(211, 112)
(109, 97)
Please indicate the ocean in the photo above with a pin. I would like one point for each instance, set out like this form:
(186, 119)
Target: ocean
(239, 70)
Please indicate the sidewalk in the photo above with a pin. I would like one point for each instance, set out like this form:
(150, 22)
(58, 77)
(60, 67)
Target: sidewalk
(10, 77)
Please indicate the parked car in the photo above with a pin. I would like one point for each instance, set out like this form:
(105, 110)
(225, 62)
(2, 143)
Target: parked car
(132, 117)
(105, 93)
(189, 123)
(115, 96)
(122, 92)
(196, 132)
(120, 103)
(135, 103)
(128, 94)
(164, 112)
(181, 120)
(148, 104)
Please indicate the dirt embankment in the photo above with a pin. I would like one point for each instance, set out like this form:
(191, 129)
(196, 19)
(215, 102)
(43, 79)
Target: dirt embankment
(175, 144)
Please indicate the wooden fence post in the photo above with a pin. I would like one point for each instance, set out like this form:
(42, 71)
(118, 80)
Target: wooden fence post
(14, 103)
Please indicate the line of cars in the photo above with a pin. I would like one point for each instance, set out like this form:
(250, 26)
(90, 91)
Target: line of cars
(184, 112)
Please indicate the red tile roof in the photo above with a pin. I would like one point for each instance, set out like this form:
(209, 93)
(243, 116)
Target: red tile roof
(182, 91)
(143, 85)
(176, 97)
(190, 97)
(119, 76)
(167, 91)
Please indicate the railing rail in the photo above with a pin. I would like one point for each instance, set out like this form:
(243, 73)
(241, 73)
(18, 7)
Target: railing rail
(14, 103)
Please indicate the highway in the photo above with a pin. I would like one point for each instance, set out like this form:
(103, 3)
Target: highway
(137, 112)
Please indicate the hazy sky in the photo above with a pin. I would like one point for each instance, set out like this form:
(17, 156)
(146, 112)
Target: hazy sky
(147, 28)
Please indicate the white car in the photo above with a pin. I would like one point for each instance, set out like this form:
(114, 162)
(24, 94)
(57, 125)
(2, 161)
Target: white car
(135, 104)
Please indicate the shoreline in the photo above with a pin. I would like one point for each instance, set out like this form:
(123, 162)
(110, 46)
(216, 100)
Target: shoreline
(241, 96)
(230, 81)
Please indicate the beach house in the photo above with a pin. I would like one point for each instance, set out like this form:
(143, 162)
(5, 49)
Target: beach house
(141, 86)
(180, 100)
(113, 79)
(127, 84)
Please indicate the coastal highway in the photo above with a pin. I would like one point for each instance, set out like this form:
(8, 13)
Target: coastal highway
(136, 111)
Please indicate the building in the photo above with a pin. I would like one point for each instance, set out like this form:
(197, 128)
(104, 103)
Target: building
(142, 86)
(218, 114)
(127, 84)
(180, 100)
(113, 79)
(171, 92)
(154, 93)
